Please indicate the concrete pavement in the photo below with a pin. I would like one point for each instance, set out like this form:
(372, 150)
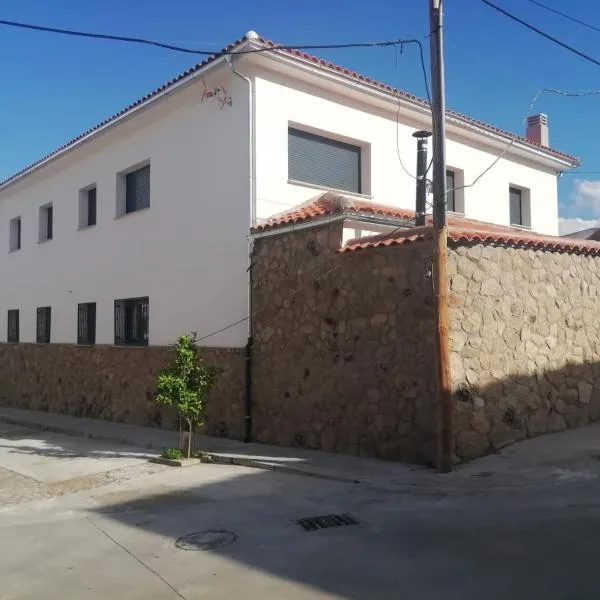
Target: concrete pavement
(547, 460)
(115, 537)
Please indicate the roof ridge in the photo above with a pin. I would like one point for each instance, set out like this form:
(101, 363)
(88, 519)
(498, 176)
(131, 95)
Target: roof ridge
(296, 54)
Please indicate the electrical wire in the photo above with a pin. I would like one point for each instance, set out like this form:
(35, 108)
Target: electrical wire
(543, 33)
(515, 138)
(398, 48)
(562, 14)
(580, 173)
(402, 225)
(158, 44)
(254, 314)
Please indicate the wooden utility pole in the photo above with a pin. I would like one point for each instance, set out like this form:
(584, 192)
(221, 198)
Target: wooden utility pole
(440, 227)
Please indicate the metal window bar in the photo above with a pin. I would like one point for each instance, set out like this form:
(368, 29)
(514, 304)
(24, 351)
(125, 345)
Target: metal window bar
(86, 323)
(132, 321)
(137, 189)
(43, 325)
(91, 207)
(13, 326)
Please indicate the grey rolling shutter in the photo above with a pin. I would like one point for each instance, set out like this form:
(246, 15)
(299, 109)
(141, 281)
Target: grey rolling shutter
(137, 189)
(321, 161)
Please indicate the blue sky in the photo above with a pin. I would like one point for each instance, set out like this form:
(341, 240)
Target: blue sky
(54, 87)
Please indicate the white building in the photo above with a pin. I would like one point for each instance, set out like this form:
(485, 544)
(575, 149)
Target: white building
(138, 230)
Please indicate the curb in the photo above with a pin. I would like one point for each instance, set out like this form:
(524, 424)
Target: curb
(75, 432)
(225, 458)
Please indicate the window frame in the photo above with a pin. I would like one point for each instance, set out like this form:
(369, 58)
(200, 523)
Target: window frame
(46, 223)
(512, 190)
(43, 324)
(450, 189)
(15, 234)
(124, 329)
(12, 333)
(363, 156)
(86, 323)
(84, 207)
(121, 182)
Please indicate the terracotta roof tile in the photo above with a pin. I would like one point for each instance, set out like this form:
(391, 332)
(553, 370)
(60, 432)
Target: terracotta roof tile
(330, 203)
(303, 56)
(462, 231)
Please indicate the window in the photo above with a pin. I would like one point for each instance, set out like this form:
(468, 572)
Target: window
(12, 334)
(43, 325)
(450, 192)
(131, 322)
(520, 206)
(87, 207)
(86, 323)
(137, 189)
(46, 222)
(14, 242)
(322, 161)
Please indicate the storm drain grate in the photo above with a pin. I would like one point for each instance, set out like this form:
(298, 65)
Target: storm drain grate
(313, 523)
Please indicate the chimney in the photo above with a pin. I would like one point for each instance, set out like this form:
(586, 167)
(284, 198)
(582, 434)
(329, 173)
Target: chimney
(537, 129)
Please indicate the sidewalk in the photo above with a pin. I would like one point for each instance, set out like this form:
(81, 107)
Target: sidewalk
(549, 460)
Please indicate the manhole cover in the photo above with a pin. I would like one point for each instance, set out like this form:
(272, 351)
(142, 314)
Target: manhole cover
(312, 523)
(206, 540)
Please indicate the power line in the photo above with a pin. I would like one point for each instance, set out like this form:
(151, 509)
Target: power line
(562, 14)
(514, 139)
(424, 71)
(580, 173)
(156, 43)
(543, 33)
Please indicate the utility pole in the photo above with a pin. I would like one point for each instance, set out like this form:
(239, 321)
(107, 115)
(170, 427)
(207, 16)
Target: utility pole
(440, 253)
(421, 203)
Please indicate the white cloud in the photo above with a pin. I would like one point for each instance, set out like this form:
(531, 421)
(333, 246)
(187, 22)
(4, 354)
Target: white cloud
(586, 195)
(566, 226)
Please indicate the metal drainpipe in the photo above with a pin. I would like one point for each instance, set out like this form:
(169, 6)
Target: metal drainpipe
(252, 194)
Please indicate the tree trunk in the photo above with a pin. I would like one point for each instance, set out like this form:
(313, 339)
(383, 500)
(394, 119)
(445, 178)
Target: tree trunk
(189, 440)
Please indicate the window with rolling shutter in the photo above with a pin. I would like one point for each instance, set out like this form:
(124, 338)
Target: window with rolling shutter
(131, 322)
(43, 325)
(86, 323)
(13, 326)
(322, 161)
(137, 189)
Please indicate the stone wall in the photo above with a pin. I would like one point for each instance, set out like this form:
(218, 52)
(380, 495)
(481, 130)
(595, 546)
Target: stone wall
(525, 344)
(343, 355)
(114, 383)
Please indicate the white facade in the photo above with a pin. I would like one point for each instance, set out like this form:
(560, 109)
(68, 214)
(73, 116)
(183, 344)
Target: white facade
(188, 252)
(360, 120)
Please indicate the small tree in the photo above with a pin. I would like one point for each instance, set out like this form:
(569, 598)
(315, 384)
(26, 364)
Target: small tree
(186, 384)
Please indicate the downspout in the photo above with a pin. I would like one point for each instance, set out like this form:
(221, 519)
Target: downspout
(252, 207)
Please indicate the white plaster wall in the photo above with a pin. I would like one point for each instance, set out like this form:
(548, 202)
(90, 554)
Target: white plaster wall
(280, 102)
(187, 252)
